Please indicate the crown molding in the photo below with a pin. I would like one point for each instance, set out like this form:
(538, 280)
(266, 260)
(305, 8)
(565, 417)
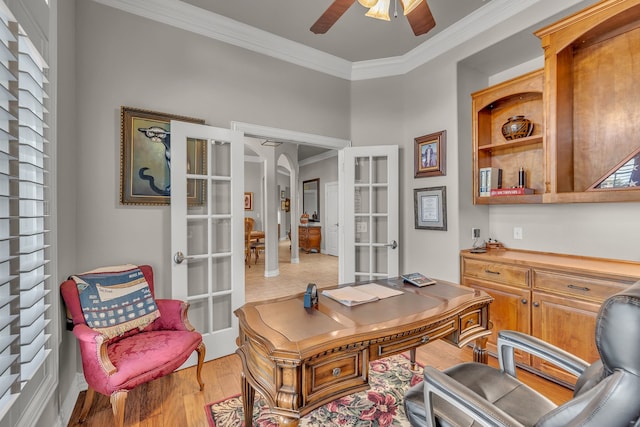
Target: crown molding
(205, 23)
(318, 158)
(190, 18)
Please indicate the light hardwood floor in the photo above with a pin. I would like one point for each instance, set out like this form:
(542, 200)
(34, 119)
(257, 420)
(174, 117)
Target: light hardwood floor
(176, 400)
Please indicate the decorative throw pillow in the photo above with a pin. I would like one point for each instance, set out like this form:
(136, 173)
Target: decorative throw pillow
(116, 299)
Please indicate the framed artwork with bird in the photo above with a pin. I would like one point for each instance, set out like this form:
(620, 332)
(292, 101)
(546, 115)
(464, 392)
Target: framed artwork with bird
(145, 158)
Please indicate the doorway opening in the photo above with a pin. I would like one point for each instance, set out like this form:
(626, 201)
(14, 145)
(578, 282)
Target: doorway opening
(293, 273)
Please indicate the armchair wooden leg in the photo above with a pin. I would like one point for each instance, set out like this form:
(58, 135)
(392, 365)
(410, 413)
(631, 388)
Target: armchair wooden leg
(202, 350)
(118, 400)
(86, 405)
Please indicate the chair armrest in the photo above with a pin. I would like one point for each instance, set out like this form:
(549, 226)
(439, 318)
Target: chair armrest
(463, 399)
(92, 342)
(173, 316)
(510, 340)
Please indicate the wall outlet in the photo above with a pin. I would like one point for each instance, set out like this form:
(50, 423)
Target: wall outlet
(475, 233)
(517, 233)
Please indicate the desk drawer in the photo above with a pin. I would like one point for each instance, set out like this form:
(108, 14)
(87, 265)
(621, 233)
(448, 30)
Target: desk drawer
(496, 272)
(338, 372)
(396, 346)
(595, 289)
(470, 321)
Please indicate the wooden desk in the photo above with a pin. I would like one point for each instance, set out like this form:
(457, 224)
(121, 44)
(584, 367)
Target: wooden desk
(300, 359)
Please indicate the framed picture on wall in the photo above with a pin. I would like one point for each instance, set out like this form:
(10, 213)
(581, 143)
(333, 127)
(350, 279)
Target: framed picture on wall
(248, 201)
(429, 155)
(430, 208)
(145, 167)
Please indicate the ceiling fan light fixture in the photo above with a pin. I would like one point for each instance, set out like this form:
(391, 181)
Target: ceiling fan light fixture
(380, 10)
(368, 3)
(409, 5)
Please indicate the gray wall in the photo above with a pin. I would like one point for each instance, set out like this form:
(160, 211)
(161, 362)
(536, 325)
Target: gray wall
(152, 66)
(126, 60)
(110, 59)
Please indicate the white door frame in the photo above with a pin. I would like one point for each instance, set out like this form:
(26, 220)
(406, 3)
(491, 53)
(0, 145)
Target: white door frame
(331, 231)
(284, 135)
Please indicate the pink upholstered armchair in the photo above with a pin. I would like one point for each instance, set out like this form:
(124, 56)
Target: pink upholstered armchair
(115, 366)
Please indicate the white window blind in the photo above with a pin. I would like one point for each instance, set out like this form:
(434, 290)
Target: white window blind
(24, 283)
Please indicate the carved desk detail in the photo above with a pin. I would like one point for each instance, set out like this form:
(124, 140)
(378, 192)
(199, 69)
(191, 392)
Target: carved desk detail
(301, 358)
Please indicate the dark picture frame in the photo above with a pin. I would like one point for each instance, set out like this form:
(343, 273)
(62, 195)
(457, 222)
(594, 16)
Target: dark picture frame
(248, 201)
(430, 208)
(145, 173)
(430, 155)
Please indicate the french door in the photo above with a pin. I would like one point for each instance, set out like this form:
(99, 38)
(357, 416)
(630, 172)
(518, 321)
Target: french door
(207, 230)
(368, 237)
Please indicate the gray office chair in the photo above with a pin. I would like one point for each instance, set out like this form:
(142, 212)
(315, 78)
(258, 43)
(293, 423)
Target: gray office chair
(607, 392)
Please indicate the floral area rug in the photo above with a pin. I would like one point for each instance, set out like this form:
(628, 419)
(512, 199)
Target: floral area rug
(380, 406)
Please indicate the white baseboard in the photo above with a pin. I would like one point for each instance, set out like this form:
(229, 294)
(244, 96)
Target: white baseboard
(69, 402)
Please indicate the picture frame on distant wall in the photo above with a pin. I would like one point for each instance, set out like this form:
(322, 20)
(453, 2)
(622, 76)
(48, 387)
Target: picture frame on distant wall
(145, 171)
(248, 201)
(430, 155)
(430, 208)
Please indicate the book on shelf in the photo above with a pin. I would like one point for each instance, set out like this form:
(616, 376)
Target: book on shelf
(418, 279)
(518, 191)
(360, 294)
(490, 179)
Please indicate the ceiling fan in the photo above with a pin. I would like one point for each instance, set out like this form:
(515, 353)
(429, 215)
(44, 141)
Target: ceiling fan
(416, 11)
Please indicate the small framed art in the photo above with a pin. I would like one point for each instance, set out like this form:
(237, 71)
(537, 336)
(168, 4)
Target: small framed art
(430, 154)
(430, 208)
(248, 201)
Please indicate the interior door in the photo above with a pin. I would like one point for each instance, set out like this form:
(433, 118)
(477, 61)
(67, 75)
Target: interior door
(368, 187)
(207, 230)
(331, 224)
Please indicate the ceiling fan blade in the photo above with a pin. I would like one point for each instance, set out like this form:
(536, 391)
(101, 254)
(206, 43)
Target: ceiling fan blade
(331, 15)
(421, 19)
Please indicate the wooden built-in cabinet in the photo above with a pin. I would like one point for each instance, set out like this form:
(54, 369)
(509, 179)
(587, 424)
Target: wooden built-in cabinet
(585, 105)
(309, 237)
(492, 108)
(592, 99)
(554, 297)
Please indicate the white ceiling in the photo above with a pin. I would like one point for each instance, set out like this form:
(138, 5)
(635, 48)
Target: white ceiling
(354, 37)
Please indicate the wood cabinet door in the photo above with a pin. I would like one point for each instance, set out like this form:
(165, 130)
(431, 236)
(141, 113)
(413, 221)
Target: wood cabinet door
(566, 323)
(510, 310)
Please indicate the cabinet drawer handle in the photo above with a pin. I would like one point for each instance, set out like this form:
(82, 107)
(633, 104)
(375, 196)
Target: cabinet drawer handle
(470, 322)
(425, 339)
(491, 272)
(578, 288)
(336, 372)
(524, 300)
(536, 304)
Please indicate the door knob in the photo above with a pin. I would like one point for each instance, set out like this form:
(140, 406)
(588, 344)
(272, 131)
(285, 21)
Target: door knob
(179, 257)
(393, 244)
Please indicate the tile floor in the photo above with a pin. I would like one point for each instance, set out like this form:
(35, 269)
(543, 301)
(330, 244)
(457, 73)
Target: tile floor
(317, 268)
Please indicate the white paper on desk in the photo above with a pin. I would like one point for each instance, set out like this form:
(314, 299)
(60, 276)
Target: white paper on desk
(354, 295)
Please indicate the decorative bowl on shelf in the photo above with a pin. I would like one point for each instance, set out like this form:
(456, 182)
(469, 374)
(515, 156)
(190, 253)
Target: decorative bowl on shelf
(517, 127)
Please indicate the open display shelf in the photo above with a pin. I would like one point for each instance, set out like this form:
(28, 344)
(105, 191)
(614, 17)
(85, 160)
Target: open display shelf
(492, 107)
(585, 106)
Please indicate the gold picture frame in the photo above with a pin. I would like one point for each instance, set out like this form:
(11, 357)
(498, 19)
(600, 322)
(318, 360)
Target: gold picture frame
(248, 201)
(430, 154)
(145, 172)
